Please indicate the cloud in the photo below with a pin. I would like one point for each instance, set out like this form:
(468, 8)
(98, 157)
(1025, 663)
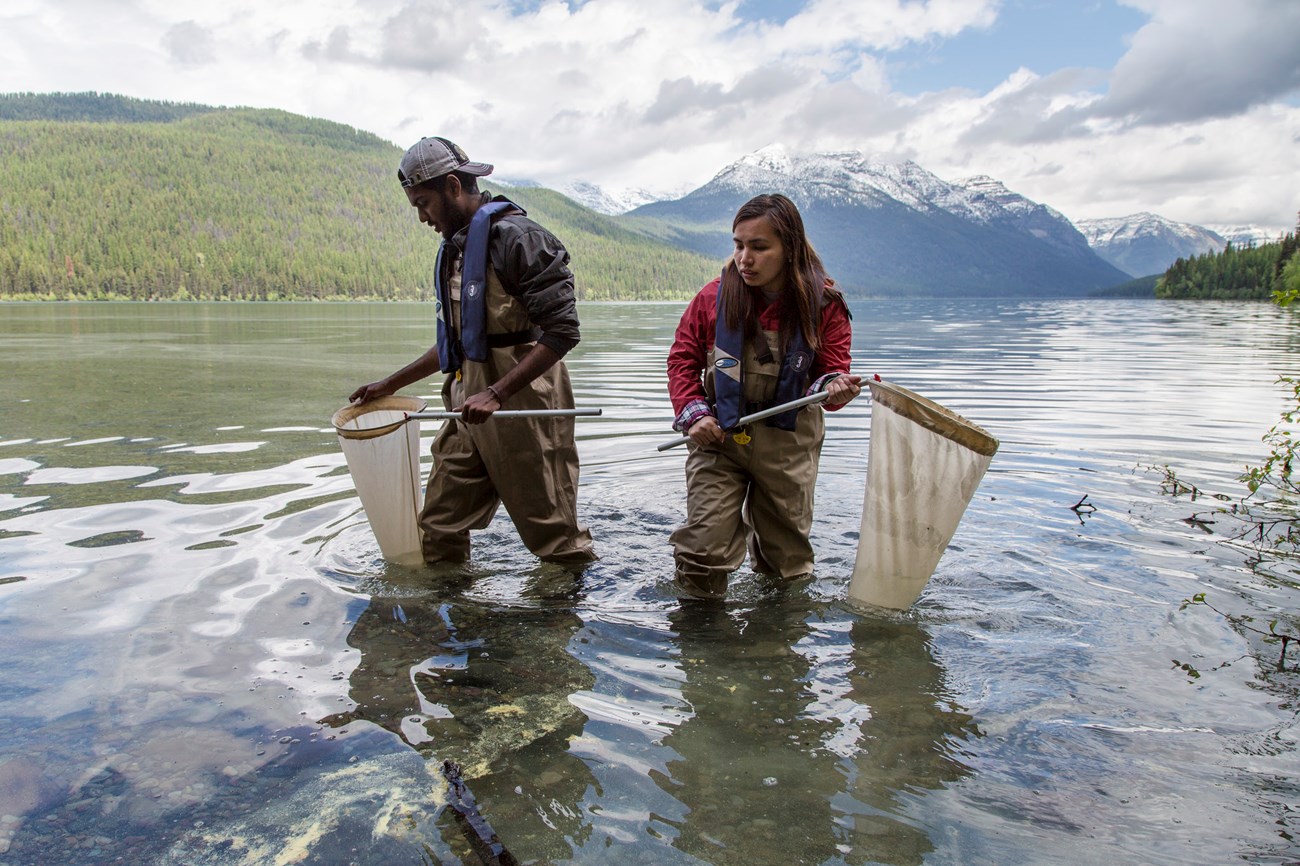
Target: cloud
(429, 36)
(189, 44)
(1199, 59)
(1191, 123)
(1029, 108)
(681, 96)
(881, 25)
(757, 87)
(335, 49)
(844, 115)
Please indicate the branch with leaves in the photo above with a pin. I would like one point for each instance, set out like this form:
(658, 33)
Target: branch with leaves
(1246, 622)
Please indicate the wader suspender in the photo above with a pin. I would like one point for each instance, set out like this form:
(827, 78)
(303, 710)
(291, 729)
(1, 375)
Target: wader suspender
(728, 386)
(472, 343)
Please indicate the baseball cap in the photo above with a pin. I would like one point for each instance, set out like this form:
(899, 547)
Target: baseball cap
(433, 157)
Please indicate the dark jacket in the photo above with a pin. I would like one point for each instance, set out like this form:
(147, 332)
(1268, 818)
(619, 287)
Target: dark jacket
(533, 266)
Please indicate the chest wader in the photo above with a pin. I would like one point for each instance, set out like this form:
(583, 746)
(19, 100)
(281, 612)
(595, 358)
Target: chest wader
(529, 465)
(758, 494)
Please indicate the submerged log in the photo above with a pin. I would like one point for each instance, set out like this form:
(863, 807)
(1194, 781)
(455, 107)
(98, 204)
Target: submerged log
(482, 838)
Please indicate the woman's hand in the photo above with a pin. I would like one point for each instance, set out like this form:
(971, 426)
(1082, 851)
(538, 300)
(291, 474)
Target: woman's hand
(706, 431)
(843, 388)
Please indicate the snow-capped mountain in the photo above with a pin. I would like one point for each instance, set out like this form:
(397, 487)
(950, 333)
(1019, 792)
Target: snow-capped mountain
(1145, 243)
(1245, 236)
(889, 226)
(852, 177)
(608, 201)
(1045, 223)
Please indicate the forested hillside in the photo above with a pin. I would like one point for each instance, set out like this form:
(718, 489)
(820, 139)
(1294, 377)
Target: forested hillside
(109, 197)
(1251, 273)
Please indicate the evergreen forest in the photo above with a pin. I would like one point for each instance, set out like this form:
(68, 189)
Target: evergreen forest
(1248, 273)
(108, 197)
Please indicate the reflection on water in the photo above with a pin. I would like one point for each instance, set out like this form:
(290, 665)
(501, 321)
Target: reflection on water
(814, 725)
(207, 661)
(485, 687)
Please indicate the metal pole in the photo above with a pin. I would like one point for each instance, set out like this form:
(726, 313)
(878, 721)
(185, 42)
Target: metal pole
(443, 415)
(758, 416)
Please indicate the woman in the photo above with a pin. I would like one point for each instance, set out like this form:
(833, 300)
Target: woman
(772, 329)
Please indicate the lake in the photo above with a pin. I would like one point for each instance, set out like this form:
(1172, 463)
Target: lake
(206, 660)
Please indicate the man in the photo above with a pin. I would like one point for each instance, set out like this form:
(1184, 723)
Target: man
(500, 344)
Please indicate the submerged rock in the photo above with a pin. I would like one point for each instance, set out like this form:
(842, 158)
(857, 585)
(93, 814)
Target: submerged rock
(377, 809)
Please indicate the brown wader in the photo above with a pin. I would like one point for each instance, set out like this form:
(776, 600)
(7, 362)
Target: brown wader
(758, 494)
(530, 465)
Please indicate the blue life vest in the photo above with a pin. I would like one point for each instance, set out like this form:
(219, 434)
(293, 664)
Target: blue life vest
(472, 344)
(728, 379)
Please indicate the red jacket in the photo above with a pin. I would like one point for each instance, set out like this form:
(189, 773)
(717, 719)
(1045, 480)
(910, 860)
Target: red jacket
(696, 331)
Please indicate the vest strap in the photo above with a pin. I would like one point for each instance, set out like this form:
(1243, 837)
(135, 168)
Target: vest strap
(472, 342)
(728, 370)
(448, 343)
(728, 364)
(473, 283)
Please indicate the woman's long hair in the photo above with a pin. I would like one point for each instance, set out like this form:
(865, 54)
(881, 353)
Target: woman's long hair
(807, 285)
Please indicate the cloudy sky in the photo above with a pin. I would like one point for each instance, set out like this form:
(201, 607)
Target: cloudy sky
(1186, 108)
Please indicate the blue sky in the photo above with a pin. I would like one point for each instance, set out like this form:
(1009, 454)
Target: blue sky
(1185, 108)
(1042, 35)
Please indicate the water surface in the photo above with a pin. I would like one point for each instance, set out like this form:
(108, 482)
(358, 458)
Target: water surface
(207, 661)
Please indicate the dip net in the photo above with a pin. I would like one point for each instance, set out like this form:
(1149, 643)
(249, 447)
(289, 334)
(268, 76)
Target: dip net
(923, 467)
(382, 450)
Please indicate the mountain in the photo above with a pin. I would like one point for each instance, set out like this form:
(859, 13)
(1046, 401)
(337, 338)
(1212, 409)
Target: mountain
(1045, 223)
(887, 227)
(607, 201)
(610, 202)
(1144, 243)
(1246, 236)
(111, 197)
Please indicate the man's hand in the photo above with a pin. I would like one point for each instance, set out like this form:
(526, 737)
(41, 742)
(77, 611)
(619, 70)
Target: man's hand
(373, 391)
(479, 407)
(706, 431)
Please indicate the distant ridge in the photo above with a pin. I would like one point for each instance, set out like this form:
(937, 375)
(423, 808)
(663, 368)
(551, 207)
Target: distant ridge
(1141, 287)
(92, 107)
